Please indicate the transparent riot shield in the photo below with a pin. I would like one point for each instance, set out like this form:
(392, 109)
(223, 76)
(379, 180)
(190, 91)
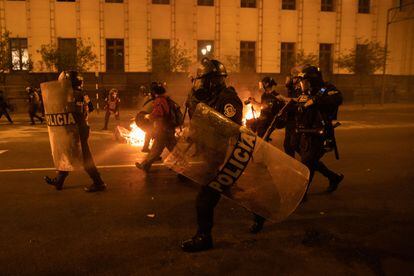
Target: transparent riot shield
(231, 159)
(63, 132)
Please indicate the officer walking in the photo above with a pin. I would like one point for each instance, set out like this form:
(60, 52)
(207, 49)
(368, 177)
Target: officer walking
(318, 106)
(163, 128)
(81, 106)
(3, 108)
(290, 143)
(140, 120)
(210, 88)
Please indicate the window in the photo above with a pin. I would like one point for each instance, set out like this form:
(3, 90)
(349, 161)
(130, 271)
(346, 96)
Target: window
(288, 4)
(248, 3)
(363, 6)
(325, 58)
(327, 5)
(19, 54)
(205, 48)
(114, 1)
(161, 55)
(287, 57)
(66, 54)
(163, 2)
(205, 2)
(247, 56)
(115, 55)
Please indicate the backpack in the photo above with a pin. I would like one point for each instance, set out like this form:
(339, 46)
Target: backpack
(176, 115)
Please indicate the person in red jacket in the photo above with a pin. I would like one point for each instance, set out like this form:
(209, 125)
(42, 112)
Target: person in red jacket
(111, 106)
(163, 130)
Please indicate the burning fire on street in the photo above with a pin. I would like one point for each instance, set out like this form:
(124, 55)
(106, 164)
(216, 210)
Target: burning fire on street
(250, 113)
(135, 136)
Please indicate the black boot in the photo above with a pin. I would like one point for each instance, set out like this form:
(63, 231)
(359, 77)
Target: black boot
(96, 187)
(143, 166)
(334, 182)
(54, 182)
(200, 242)
(258, 224)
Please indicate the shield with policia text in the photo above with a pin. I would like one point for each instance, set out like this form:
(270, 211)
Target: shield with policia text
(231, 159)
(63, 132)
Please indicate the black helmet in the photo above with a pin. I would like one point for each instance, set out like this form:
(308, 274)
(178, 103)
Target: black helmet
(313, 74)
(74, 78)
(268, 82)
(211, 67)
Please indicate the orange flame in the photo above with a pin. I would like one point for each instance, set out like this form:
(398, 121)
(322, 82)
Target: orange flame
(134, 137)
(250, 114)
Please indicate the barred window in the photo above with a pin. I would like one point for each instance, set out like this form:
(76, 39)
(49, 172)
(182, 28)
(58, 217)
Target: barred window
(327, 5)
(363, 6)
(115, 55)
(325, 58)
(288, 4)
(247, 56)
(162, 2)
(248, 3)
(205, 2)
(19, 54)
(287, 56)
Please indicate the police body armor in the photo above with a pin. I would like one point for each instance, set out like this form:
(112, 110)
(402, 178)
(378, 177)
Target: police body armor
(63, 118)
(235, 162)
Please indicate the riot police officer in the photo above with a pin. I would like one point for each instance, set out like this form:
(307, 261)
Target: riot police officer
(80, 113)
(270, 106)
(209, 87)
(318, 106)
(290, 143)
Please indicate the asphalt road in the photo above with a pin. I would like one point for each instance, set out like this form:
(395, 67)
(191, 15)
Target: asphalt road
(366, 227)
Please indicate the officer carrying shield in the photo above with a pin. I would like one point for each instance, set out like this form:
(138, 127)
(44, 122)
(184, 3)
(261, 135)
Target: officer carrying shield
(210, 88)
(78, 109)
(318, 106)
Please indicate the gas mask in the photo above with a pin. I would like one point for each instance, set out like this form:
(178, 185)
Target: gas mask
(202, 89)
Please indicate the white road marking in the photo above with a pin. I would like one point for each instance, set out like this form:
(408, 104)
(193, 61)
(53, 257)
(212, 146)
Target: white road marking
(349, 125)
(99, 167)
(3, 151)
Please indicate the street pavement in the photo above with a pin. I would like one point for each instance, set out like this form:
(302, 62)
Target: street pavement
(366, 227)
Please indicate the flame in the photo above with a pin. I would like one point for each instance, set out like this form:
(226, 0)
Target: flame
(134, 137)
(250, 114)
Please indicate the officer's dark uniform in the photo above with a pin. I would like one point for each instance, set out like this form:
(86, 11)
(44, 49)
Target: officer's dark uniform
(3, 108)
(291, 143)
(79, 111)
(226, 101)
(313, 119)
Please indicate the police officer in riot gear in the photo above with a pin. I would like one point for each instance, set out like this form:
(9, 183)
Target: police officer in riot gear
(290, 143)
(270, 106)
(318, 106)
(210, 88)
(80, 113)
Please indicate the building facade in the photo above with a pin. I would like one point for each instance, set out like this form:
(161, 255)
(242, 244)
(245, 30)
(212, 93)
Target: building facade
(262, 36)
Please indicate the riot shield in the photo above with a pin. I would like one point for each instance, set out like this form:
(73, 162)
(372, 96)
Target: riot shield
(234, 161)
(63, 132)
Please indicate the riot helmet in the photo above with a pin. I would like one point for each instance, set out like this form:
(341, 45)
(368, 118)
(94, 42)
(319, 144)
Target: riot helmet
(211, 75)
(268, 83)
(74, 77)
(313, 75)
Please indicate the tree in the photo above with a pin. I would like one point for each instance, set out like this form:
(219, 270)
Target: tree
(232, 63)
(165, 58)
(365, 59)
(80, 58)
(304, 59)
(5, 57)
